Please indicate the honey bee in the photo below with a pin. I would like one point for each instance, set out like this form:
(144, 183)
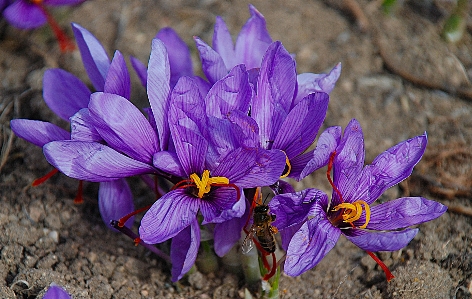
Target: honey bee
(262, 229)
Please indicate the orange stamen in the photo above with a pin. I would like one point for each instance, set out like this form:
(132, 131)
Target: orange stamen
(65, 43)
(382, 265)
(79, 198)
(41, 180)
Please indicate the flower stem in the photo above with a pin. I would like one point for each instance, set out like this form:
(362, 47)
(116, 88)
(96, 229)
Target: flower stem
(251, 270)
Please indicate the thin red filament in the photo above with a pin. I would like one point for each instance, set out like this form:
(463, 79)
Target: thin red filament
(328, 174)
(41, 180)
(274, 268)
(183, 184)
(253, 206)
(65, 43)
(382, 265)
(79, 198)
(123, 220)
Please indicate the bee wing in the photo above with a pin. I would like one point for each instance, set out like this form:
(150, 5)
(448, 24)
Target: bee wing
(248, 243)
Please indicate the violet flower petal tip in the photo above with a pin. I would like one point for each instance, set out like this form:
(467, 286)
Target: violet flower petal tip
(56, 292)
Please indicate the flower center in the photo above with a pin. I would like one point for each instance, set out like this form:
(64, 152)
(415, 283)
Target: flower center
(204, 183)
(353, 211)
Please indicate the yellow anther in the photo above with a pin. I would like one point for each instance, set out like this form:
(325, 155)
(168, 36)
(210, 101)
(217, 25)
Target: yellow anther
(288, 167)
(204, 184)
(353, 211)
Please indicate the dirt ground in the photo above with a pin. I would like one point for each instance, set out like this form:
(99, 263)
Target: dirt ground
(399, 79)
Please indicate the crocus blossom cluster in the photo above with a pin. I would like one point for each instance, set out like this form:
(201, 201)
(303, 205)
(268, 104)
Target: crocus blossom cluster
(249, 124)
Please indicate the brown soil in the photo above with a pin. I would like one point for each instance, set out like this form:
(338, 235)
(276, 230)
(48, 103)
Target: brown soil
(399, 79)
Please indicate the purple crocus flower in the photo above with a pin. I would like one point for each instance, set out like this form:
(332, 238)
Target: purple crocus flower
(56, 292)
(68, 97)
(251, 45)
(316, 223)
(212, 183)
(282, 123)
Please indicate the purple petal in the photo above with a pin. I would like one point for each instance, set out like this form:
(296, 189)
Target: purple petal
(307, 163)
(381, 241)
(38, 132)
(309, 245)
(223, 43)
(187, 119)
(179, 54)
(92, 161)
(140, 69)
(212, 64)
(286, 234)
(202, 85)
(184, 249)
(301, 126)
(275, 90)
(294, 208)
(348, 163)
(394, 165)
(117, 80)
(123, 126)
(169, 163)
(253, 40)
(228, 233)
(56, 292)
(94, 56)
(252, 167)
(220, 205)
(225, 137)
(168, 216)
(232, 92)
(24, 15)
(64, 93)
(158, 89)
(402, 212)
(309, 82)
(248, 125)
(115, 200)
(281, 187)
(81, 127)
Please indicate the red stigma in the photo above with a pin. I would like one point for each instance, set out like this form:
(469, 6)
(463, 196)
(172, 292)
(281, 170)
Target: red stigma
(328, 174)
(41, 180)
(79, 198)
(382, 265)
(65, 43)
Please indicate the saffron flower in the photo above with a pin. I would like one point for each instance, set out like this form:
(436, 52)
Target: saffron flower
(283, 123)
(249, 49)
(316, 223)
(214, 171)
